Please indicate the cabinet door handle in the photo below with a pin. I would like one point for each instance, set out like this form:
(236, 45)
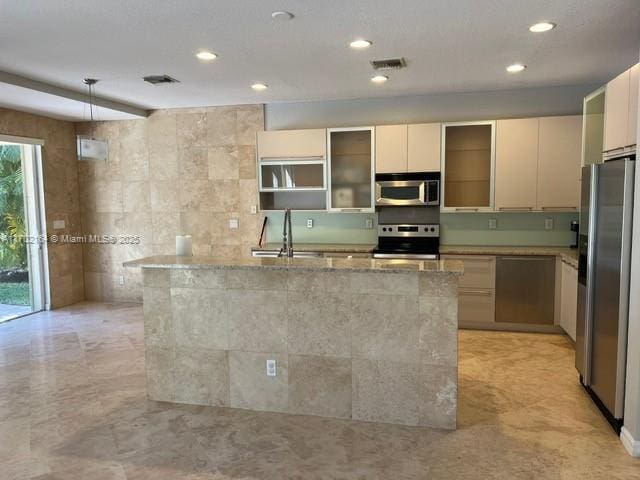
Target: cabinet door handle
(479, 293)
(613, 150)
(466, 209)
(291, 159)
(559, 208)
(516, 209)
(526, 258)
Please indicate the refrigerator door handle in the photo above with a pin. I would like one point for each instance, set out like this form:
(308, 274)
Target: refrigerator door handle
(589, 283)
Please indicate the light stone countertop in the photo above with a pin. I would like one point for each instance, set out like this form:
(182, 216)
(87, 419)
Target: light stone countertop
(569, 255)
(300, 264)
(322, 247)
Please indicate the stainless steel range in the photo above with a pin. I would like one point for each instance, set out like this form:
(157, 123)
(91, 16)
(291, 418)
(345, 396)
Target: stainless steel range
(408, 241)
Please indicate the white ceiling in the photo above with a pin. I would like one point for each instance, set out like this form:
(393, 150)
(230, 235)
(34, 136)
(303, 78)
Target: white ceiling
(450, 46)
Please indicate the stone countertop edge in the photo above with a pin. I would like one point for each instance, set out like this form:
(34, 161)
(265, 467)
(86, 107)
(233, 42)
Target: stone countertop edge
(321, 247)
(454, 267)
(568, 255)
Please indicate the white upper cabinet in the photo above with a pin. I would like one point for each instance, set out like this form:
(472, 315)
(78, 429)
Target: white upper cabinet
(516, 164)
(621, 110)
(391, 149)
(632, 126)
(423, 147)
(298, 144)
(408, 148)
(559, 160)
(468, 166)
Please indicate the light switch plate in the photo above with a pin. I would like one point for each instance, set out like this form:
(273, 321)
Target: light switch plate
(233, 223)
(368, 223)
(309, 222)
(58, 224)
(548, 223)
(254, 209)
(493, 224)
(121, 279)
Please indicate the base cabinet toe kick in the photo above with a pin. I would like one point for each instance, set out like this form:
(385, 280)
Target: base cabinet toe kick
(354, 338)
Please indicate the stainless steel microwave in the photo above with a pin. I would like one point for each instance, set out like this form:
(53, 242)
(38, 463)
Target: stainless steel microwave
(408, 189)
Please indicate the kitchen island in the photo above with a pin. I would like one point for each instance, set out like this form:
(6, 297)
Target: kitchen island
(372, 340)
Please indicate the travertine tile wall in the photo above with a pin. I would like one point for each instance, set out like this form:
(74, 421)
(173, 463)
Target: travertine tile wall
(378, 347)
(61, 197)
(181, 171)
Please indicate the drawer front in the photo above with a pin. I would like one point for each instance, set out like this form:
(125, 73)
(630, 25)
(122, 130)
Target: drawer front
(476, 306)
(479, 271)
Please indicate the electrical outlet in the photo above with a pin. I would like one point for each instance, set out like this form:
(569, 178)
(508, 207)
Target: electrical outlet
(121, 279)
(548, 223)
(368, 223)
(254, 209)
(58, 224)
(271, 368)
(309, 222)
(493, 224)
(233, 223)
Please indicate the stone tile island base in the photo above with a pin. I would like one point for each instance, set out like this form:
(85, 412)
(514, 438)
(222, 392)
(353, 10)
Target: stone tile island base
(361, 343)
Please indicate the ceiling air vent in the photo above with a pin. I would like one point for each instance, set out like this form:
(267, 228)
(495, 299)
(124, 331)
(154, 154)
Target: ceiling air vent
(159, 79)
(389, 64)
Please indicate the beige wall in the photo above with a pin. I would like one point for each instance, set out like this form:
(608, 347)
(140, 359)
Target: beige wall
(181, 171)
(60, 194)
(631, 430)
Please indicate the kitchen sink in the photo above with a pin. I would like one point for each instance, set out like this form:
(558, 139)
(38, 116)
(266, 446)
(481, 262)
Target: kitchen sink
(274, 254)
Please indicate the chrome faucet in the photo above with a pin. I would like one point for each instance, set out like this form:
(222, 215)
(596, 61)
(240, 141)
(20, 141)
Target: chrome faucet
(287, 237)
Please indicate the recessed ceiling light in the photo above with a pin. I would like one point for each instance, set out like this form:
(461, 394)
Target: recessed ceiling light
(259, 86)
(542, 27)
(360, 44)
(379, 79)
(516, 68)
(282, 15)
(205, 55)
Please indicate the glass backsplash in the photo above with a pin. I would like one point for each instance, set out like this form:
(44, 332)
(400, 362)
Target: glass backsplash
(455, 228)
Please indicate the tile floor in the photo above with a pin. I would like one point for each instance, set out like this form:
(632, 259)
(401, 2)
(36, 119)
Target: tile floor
(73, 406)
(8, 312)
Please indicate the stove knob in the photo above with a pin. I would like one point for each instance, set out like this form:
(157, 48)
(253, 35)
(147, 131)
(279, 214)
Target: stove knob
(433, 229)
(426, 229)
(384, 229)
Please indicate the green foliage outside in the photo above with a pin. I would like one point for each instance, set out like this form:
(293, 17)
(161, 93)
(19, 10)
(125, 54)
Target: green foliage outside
(13, 250)
(15, 293)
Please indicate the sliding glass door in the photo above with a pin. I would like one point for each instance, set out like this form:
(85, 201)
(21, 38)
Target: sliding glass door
(22, 250)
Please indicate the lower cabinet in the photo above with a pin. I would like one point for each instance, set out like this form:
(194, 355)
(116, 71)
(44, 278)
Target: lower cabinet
(525, 289)
(476, 307)
(476, 290)
(513, 293)
(569, 299)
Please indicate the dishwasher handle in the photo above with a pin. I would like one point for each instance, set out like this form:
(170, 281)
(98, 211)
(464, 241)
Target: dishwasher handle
(527, 258)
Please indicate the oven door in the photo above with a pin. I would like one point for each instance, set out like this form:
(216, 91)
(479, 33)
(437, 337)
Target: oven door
(400, 193)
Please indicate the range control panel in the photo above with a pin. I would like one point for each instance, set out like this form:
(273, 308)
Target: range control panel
(407, 230)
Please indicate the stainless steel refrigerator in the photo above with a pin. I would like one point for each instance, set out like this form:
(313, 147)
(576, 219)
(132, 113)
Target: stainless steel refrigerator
(603, 282)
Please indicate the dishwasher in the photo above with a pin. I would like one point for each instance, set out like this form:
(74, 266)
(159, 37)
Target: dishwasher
(525, 289)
